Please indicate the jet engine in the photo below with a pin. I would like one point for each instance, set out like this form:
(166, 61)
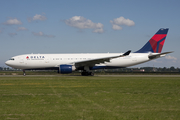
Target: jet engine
(64, 69)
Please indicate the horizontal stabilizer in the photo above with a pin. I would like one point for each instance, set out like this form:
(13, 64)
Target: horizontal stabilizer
(151, 56)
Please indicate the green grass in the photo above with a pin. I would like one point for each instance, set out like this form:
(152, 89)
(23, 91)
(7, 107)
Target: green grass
(51, 72)
(89, 98)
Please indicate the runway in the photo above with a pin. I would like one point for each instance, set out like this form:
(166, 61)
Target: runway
(59, 75)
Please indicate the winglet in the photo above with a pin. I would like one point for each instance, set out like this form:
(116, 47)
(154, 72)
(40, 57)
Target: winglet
(127, 53)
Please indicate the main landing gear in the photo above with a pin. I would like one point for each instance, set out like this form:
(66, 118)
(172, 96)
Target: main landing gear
(85, 73)
(24, 73)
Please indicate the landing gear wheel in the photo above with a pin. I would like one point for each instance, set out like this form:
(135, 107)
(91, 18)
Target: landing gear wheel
(92, 74)
(87, 74)
(84, 74)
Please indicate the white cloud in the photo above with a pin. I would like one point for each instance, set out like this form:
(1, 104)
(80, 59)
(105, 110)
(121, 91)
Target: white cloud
(83, 23)
(12, 34)
(116, 27)
(38, 34)
(12, 21)
(117, 22)
(37, 17)
(168, 59)
(98, 30)
(22, 28)
(171, 58)
(42, 34)
(157, 61)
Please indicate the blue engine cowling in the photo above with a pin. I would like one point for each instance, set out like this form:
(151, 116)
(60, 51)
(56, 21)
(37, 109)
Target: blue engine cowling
(63, 69)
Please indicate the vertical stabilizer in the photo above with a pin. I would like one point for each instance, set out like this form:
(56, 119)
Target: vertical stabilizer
(155, 44)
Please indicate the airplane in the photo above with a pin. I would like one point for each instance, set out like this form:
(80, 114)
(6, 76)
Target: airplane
(67, 63)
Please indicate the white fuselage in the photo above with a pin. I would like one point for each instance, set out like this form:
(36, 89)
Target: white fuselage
(40, 61)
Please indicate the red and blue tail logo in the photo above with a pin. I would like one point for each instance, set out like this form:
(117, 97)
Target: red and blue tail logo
(155, 44)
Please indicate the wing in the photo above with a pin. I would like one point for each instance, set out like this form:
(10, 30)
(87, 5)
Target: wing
(92, 62)
(151, 56)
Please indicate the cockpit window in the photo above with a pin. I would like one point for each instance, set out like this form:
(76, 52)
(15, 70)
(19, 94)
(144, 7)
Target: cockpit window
(11, 59)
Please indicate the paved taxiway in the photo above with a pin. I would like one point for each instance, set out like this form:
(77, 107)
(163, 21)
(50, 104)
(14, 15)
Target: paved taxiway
(95, 75)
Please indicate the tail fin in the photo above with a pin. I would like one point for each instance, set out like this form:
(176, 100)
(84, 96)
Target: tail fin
(155, 44)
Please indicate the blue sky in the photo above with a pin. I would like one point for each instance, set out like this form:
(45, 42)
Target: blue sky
(50, 26)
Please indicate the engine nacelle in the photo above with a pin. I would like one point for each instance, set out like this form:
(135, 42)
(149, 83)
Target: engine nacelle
(64, 69)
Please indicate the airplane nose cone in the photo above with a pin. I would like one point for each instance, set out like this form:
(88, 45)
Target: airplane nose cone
(7, 62)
